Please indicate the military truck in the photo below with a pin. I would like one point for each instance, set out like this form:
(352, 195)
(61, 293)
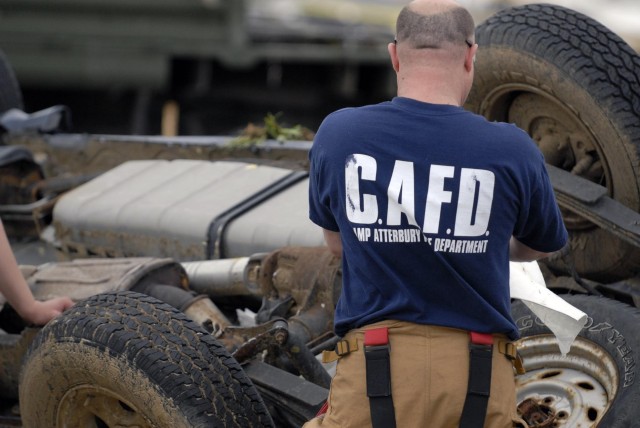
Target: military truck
(205, 295)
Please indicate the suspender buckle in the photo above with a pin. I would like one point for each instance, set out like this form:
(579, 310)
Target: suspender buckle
(343, 347)
(511, 352)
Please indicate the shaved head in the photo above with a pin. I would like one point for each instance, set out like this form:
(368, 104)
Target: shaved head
(434, 52)
(434, 24)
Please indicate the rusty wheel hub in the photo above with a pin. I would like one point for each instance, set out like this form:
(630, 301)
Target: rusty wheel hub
(563, 141)
(562, 138)
(536, 414)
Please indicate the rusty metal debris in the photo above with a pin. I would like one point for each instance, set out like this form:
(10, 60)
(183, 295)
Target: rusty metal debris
(536, 415)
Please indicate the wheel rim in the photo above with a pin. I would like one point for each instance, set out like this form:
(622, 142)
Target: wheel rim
(564, 140)
(561, 392)
(94, 406)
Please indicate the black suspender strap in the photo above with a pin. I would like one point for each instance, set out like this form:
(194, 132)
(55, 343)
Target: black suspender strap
(378, 369)
(479, 386)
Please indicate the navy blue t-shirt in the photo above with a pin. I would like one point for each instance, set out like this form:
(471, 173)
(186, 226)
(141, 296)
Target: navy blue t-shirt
(426, 198)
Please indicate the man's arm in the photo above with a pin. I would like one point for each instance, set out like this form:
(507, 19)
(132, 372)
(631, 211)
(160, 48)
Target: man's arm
(333, 242)
(519, 252)
(15, 289)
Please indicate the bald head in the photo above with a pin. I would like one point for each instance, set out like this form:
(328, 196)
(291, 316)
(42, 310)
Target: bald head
(434, 53)
(434, 24)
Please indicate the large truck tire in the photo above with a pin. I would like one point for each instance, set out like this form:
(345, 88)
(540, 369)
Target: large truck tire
(574, 86)
(127, 359)
(595, 384)
(10, 95)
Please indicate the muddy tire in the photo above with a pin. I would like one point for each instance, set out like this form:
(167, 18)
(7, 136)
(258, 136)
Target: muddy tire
(574, 86)
(595, 384)
(10, 95)
(126, 359)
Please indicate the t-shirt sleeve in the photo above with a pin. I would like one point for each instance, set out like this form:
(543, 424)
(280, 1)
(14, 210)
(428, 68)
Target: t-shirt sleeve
(320, 193)
(540, 226)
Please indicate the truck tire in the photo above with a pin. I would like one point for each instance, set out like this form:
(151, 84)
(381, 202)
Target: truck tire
(574, 86)
(127, 359)
(595, 384)
(10, 95)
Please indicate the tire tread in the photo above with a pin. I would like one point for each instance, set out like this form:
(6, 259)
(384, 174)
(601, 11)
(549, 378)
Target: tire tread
(185, 362)
(568, 39)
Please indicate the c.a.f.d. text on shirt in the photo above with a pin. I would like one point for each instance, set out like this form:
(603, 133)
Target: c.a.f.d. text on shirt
(473, 200)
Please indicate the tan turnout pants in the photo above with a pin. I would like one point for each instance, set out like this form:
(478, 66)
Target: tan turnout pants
(429, 370)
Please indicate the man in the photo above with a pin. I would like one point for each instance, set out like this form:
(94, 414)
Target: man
(15, 290)
(427, 203)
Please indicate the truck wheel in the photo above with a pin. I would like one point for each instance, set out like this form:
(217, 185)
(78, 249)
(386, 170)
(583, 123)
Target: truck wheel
(595, 384)
(10, 96)
(127, 359)
(574, 86)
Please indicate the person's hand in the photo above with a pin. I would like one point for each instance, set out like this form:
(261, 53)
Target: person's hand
(40, 313)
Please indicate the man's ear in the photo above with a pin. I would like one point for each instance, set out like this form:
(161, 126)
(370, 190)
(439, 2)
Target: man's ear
(470, 58)
(393, 54)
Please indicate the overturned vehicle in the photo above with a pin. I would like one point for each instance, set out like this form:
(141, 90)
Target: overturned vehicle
(205, 295)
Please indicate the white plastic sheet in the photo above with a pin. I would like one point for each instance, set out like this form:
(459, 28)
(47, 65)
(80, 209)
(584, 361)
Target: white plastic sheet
(564, 320)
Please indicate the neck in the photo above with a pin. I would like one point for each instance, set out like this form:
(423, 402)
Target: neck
(432, 86)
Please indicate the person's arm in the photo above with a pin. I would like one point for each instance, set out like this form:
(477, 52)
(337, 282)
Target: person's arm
(333, 242)
(519, 252)
(17, 292)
